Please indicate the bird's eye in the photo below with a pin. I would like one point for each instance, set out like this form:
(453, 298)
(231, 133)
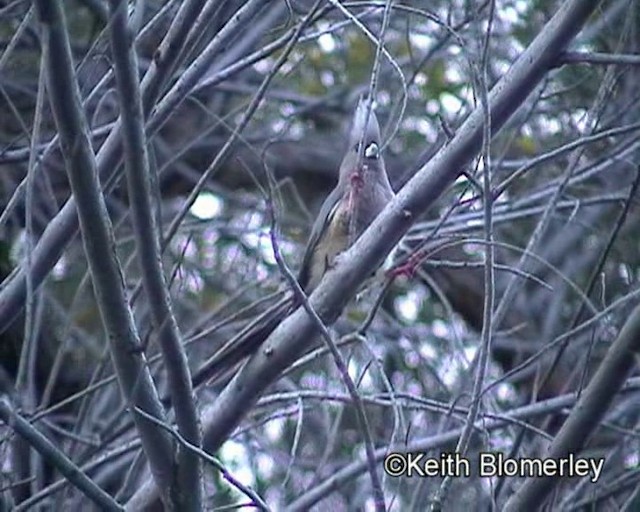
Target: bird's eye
(371, 151)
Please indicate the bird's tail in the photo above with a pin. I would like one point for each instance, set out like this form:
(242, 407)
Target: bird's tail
(243, 344)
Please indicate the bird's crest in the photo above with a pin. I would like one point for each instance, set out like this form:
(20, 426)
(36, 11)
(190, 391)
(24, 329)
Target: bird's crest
(358, 131)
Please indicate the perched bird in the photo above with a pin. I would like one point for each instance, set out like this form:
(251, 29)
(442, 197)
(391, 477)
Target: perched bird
(362, 191)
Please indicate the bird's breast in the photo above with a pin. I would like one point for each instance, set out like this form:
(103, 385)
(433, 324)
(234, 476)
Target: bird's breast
(359, 204)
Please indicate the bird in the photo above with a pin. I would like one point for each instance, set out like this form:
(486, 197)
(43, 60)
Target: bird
(362, 191)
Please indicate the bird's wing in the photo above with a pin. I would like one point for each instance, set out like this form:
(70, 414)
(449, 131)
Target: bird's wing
(319, 228)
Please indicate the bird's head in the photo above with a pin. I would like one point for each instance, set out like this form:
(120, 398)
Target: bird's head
(363, 131)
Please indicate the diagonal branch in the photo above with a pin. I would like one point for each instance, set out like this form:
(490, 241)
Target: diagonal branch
(293, 335)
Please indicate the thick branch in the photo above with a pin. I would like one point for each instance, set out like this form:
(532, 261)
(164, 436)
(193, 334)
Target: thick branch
(97, 233)
(148, 250)
(293, 335)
